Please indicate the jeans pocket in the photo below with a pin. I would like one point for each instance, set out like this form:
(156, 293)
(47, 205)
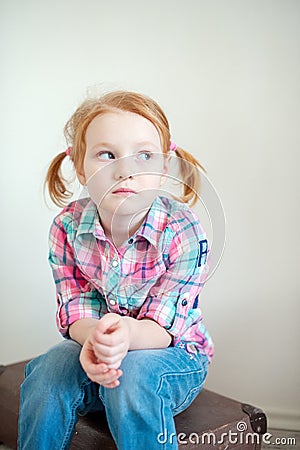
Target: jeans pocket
(194, 383)
(191, 395)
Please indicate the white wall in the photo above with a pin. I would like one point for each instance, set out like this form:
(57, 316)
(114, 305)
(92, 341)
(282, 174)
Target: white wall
(227, 75)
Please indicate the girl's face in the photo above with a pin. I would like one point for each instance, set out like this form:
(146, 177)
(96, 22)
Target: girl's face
(124, 165)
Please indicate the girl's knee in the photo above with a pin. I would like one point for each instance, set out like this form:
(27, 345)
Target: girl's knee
(135, 366)
(59, 363)
(140, 372)
(155, 373)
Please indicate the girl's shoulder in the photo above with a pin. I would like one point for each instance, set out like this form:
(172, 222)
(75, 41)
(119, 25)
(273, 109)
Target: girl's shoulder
(180, 218)
(178, 211)
(71, 215)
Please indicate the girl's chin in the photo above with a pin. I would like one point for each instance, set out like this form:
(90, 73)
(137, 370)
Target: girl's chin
(124, 206)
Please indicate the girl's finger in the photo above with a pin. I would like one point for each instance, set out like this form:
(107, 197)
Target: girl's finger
(108, 323)
(112, 385)
(103, 351)
(110, 377)
(109, 339)
(113, 362)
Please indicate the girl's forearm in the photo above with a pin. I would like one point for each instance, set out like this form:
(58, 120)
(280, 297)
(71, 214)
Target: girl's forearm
(80, 329)
(147, 333)
(143, 333)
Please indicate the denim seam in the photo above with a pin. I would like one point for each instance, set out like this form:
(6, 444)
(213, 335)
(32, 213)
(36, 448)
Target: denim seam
(101, 396)
(175, 374)
(73, 415)
(192, 391)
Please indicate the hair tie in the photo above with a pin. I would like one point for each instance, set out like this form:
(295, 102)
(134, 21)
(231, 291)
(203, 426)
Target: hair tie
(68, 151)
(173, 146)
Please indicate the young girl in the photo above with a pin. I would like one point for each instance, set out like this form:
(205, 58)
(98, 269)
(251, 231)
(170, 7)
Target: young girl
(128, 265)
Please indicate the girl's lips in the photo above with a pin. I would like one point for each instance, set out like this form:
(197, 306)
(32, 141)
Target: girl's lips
(124, 191)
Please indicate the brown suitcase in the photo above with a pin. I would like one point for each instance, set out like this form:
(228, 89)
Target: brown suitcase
(211, 422)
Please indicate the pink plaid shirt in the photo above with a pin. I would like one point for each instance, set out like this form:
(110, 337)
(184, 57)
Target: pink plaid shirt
(157, 274)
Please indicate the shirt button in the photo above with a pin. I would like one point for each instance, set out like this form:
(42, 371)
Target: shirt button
(130, 241)
(112, 302)
(184, 300)
(115, 263)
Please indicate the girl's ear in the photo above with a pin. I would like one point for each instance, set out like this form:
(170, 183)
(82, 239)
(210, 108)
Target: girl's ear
(81, 177)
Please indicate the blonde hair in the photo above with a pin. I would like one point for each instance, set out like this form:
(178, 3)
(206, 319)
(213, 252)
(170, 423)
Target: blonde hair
(75, 131)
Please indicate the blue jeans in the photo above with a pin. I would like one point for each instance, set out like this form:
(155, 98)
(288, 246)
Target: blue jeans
(155, 386)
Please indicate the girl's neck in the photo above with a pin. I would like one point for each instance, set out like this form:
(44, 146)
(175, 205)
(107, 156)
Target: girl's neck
(119, 228)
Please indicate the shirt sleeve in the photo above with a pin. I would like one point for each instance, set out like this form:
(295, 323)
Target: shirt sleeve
(76, 297)
(173, 300)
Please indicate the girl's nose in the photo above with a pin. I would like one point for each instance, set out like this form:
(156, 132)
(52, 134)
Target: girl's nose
(123, 168)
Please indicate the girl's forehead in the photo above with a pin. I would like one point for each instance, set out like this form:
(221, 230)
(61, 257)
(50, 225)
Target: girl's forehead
(118, 125)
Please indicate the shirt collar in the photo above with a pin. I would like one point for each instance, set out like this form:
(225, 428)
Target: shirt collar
(89, 222)
(154, 223)
(151, 229)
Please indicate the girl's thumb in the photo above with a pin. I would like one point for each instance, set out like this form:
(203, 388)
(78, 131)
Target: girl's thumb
(110, 322)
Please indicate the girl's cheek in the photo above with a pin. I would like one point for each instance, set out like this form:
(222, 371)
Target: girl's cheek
(95, 190)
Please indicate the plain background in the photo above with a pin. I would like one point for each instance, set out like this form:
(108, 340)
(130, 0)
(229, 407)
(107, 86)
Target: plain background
(227, 74)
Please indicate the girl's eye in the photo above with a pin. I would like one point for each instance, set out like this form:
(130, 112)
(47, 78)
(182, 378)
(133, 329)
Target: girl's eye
(105, 156)
(144, 156)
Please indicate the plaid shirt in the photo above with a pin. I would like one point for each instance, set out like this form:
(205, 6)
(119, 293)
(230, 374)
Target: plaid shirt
(157, 274)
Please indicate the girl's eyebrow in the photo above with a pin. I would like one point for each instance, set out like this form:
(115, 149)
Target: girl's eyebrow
(146, 144)
(110, 146)
(106, 145)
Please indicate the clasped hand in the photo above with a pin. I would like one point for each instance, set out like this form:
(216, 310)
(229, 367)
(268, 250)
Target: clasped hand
(104, 349)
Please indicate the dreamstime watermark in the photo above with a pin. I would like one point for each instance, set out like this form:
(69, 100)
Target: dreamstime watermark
(241, 436)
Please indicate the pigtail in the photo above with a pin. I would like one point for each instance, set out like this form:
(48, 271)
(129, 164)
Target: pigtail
(56, 183)
(189, 171)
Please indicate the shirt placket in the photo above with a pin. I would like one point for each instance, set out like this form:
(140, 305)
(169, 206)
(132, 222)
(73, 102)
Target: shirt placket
(114, 283)
(113, 280)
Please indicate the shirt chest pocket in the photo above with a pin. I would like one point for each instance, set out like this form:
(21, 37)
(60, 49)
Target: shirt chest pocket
(141, 277)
